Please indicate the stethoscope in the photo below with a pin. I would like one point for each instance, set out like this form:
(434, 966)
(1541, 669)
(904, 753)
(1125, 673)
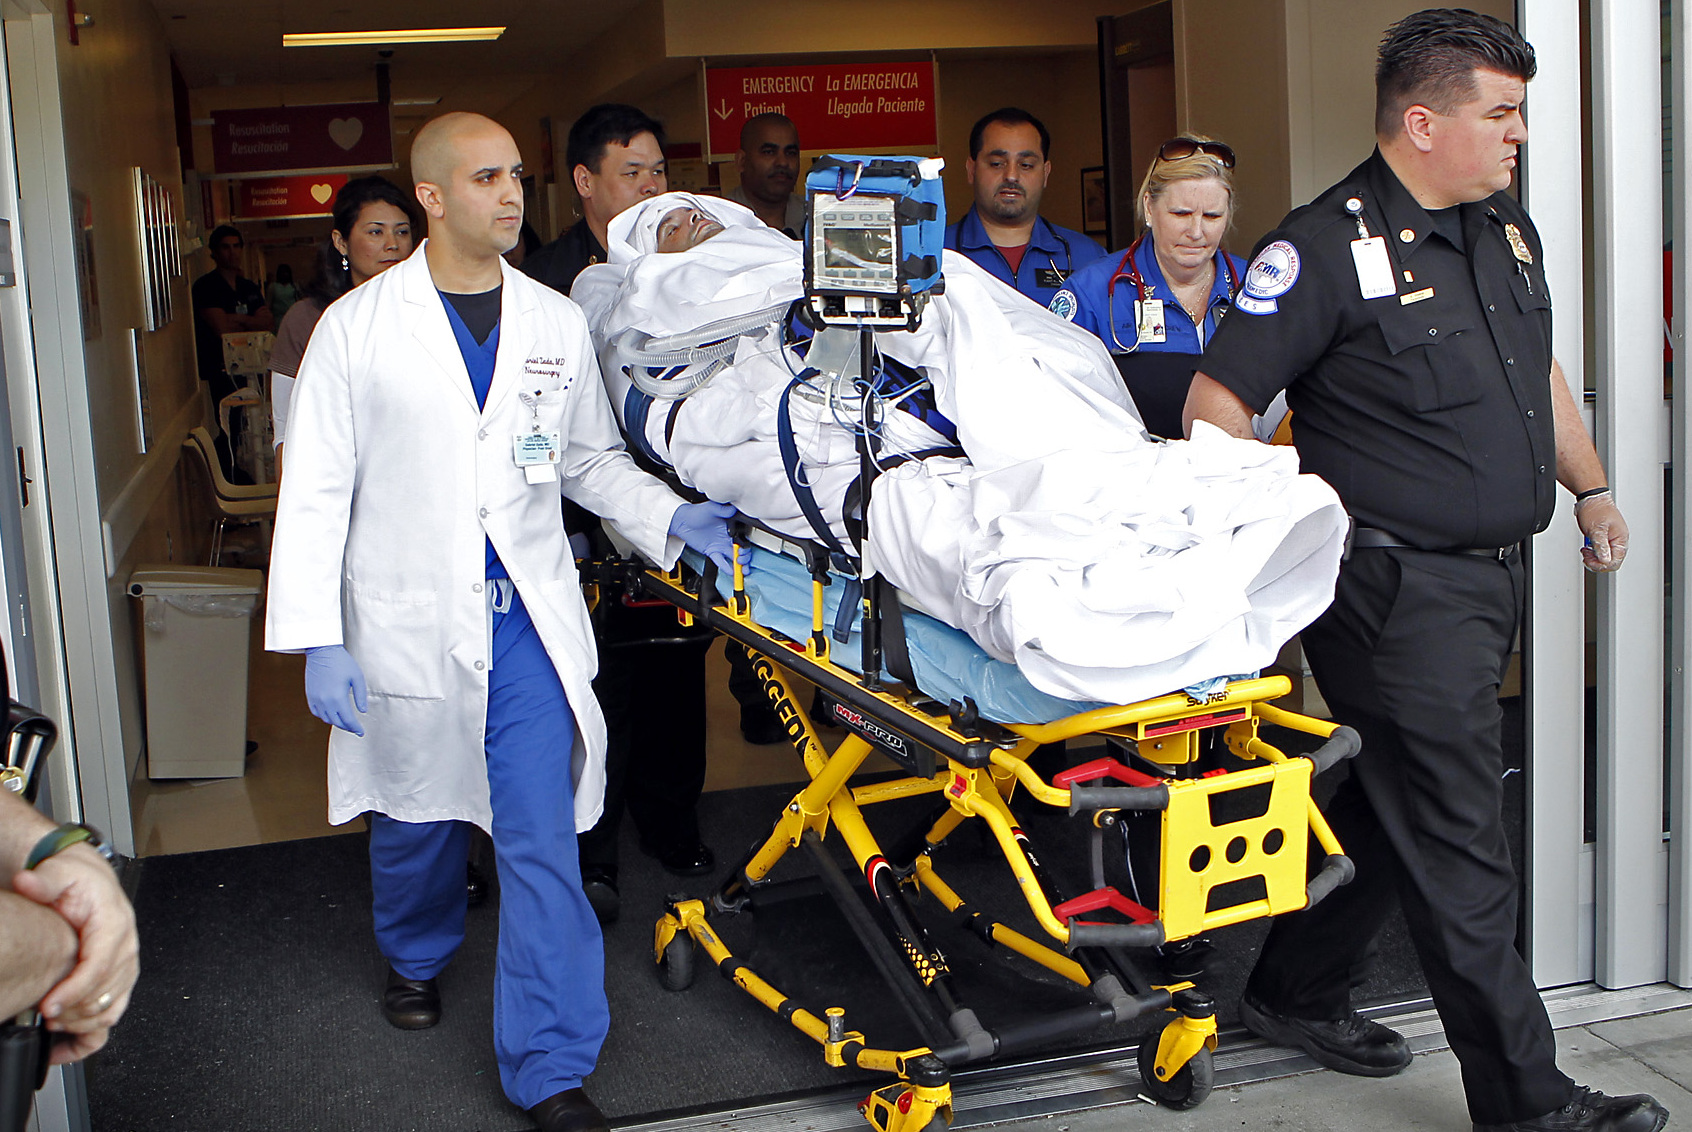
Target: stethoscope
(1130, 270)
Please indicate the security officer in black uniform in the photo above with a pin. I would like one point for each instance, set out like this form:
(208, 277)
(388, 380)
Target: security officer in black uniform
(1406, 314)
(654, 760)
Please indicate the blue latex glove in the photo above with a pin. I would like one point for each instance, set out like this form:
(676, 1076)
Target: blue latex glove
(705, 528)
(332, 677)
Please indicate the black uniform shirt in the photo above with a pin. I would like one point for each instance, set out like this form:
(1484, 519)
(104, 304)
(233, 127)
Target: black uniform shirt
(558, 264)
(1428, 410)
(213, 290)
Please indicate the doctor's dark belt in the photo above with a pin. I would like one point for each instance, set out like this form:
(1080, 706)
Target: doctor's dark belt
(1373, 538)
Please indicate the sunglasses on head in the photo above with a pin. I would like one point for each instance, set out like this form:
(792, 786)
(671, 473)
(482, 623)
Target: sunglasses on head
(1177, 148)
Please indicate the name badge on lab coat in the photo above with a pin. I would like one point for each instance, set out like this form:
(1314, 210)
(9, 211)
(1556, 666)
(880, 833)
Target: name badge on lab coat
(1150, 318)
(537, 453)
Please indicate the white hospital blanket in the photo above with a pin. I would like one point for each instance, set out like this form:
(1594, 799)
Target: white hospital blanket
(1105, 565)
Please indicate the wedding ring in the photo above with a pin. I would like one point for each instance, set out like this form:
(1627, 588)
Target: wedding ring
(103, 1001)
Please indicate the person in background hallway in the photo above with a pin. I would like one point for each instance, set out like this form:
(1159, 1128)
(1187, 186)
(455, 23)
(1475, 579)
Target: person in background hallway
(67, 933)
(615, 154)
(1157, 304)
(371, 231)
(768, 164)
(225, 302)
(421, 564)
(282, 293)
(1406, 314)
(1009, 165)
(528, 243)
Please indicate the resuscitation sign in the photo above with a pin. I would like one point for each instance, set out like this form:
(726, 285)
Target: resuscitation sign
(836, 106)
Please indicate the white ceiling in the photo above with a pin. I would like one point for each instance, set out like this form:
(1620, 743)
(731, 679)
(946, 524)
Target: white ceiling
(220, 43)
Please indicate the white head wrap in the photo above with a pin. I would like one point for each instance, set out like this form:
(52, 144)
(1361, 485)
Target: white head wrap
(634, 231)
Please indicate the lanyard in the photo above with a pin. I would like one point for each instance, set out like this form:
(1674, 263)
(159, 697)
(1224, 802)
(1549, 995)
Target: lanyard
(1129, 269)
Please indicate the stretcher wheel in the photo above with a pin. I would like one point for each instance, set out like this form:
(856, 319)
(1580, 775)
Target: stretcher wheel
(1191, 1083)
(675, 970)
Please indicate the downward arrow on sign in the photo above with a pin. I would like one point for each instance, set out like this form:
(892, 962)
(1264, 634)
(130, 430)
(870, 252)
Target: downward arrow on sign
(725, 111)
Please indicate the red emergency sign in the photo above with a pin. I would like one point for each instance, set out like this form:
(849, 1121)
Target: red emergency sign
(287, 198)
(836, 106)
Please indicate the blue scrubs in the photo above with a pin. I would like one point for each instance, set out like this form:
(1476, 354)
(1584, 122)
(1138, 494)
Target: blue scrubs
(1054, 252)
(1157, 373)
(550, 1011)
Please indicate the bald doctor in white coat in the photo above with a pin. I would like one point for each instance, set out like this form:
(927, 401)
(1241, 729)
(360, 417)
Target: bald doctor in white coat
(422, 564)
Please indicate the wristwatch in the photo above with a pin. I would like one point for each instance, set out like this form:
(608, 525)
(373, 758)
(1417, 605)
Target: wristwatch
(63, 838)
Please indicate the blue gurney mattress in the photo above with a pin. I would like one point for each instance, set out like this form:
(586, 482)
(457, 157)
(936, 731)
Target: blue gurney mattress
(947, 663)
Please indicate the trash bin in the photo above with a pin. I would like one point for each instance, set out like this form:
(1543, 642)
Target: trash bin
(195, 622)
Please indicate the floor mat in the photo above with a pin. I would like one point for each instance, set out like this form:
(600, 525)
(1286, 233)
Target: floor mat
(258, 1004)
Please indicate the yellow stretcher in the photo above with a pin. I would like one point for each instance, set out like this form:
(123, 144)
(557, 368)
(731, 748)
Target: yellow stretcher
(1216, 867)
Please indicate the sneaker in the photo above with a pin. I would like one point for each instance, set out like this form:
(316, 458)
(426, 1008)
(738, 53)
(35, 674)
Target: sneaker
(1591, 1111)
(1351, 1044)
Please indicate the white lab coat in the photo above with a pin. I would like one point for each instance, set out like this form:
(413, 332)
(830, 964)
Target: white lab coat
(394, 479)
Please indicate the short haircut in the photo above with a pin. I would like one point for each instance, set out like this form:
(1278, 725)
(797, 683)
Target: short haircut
(222, 232)
(1430, 57)
(1010, 116)
(765, 119)
(601, 125)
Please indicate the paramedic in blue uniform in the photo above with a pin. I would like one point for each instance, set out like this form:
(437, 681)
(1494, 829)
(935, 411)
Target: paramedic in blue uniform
(1405, 313)
(1157, 304)
(1009, 165)
(420, 562)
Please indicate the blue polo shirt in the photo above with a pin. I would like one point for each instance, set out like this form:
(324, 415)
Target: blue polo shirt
(1087, 301)
(1053, 253)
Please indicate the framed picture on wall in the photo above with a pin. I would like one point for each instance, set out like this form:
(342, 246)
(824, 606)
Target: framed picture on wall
(1095, 207)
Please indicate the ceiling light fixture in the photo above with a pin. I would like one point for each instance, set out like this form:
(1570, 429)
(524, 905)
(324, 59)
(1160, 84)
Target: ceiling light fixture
(417, 101)
(400, 35)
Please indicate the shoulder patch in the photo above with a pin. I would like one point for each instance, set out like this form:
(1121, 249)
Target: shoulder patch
(1063, 305)
(1271, 275)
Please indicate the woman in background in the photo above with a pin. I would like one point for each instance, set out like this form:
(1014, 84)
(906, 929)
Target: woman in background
(372, 232)
(282, 294)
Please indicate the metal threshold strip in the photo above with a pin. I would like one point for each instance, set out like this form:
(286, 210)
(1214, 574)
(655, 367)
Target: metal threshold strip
(1077, 1082)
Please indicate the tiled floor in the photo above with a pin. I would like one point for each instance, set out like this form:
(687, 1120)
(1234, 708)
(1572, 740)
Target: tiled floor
(283, 795)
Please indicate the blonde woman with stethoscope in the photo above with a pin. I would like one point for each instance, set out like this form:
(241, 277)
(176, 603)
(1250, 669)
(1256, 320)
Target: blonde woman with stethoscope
(1157, 304)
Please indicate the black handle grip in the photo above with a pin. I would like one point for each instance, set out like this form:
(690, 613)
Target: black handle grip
(1116, 935)
(1342, 744)
(1089, 798)
(1337, 869)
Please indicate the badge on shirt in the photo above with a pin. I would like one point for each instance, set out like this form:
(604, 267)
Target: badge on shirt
(1374, 269)
(1271, 275)
(1049, 277)
(538, 453)
(1517, 244)
(1063, 305)
(1148, 317)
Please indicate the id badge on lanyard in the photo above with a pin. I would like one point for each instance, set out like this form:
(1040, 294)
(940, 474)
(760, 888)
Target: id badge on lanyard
(537, 453)
(1149, 322)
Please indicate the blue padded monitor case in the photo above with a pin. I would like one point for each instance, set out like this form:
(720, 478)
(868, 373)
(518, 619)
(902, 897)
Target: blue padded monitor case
(912, 187)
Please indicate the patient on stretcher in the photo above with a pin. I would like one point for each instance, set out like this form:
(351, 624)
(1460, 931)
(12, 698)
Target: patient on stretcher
(1019, 499)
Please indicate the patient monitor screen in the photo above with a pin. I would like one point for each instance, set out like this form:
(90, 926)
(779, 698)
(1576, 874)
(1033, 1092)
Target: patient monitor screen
(854, 244)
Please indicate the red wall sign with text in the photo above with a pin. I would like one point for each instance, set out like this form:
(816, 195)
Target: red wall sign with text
(287, 198)
(836, 106)
(286, 139)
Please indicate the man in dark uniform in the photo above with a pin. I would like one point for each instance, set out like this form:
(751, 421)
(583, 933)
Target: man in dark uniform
(225, 302)
(616, 158)
(1405, 313)
(615, 154)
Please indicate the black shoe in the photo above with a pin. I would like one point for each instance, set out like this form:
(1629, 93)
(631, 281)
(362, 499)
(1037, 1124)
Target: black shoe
(761, 728)
(410, 1004)
(600, 887)
(475, 885)
(1352, 1044)
(686, 860)
(569, 1111)
(1591, 1111)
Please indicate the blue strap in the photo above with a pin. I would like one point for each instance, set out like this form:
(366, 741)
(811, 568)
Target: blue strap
(851, 594)
(795, 470)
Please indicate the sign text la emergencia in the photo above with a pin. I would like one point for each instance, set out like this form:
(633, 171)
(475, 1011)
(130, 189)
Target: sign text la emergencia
(837, 106)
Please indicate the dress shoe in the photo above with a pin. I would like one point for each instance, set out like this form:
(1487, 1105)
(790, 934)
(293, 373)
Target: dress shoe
(569, 1111)
(599, 885)
(411, 1004)
(1591, 1111)
(684, 860)
(475, 885)
(1351, 1044)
